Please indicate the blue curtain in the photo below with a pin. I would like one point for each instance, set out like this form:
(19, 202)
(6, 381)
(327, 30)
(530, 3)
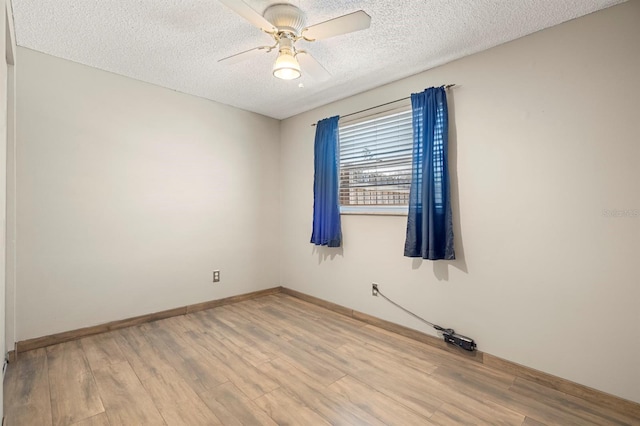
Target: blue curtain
(326, 209)
(430, 225)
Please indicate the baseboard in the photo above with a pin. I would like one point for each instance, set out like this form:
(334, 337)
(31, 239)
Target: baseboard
(53, 339)
(591, 395)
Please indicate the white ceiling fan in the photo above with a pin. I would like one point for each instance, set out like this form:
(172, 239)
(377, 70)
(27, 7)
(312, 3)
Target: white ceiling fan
(286, 24)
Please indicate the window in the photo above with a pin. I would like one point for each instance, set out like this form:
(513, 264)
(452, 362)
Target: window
(375, 164)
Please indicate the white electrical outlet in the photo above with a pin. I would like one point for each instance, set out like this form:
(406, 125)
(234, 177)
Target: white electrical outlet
(216, 276)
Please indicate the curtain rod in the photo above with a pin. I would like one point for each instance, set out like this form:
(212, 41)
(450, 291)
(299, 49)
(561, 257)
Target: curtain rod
(381, 105)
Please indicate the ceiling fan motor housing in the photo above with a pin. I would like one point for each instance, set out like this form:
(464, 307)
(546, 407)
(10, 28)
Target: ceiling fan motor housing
(287, 18)
(286, 45)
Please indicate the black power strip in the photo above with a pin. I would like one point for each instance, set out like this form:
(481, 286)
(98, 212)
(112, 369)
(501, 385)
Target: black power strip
(463, 342)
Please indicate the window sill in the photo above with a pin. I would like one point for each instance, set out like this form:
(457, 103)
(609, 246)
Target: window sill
(374, 211)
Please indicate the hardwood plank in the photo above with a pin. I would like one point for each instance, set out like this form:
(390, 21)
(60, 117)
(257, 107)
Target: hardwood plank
(409, 386)
(102, 349)
(97, 420)
(210, 323)
(197, 349)
(307, 362)
(236, 404)
(66, 336)
(383, 408)
(332, 406)
(414, 394)
(484, 410)
(594, 396)
(73, 389)
(328, 356)
(311, 310)
(331, 326)
(368, 355)
(199, 321)
(177, 402)
(390, 342)
(476, 388)
(424, 394)
(449, 415)
(241, 373)
(224, 415)
(125, 399)
(531, 422)
(396, 328)
(229, 337)
(419, 336)
(295, 325)
(285, 410)
(272, 342)
(404, 348)
(233, 299)
(240, 318)
(145, 360)
(200, 372)
(630, 408)
(26, 391)
(54, 339)
(562, 401)
(406, 390)
(250, 354)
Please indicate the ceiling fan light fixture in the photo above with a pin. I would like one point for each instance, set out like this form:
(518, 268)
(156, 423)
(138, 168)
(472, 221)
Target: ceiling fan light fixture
(286, 66)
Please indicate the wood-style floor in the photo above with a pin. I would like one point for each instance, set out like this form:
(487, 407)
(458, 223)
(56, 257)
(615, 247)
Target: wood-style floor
(273, 360)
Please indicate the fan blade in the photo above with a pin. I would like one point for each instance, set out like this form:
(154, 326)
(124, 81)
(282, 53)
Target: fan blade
(243, 9)
(344, 24)
(311, 66)
(243, 56)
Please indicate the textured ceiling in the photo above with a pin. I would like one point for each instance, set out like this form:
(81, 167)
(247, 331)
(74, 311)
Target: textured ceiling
(177, 43)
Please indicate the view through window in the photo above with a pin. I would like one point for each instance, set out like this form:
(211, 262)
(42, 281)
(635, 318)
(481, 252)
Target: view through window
(375, 163)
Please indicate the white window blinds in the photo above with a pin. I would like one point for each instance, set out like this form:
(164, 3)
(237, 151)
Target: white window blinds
(375, 161)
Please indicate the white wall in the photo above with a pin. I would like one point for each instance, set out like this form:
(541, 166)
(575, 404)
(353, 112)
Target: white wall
(130, 195)
(544, 137)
